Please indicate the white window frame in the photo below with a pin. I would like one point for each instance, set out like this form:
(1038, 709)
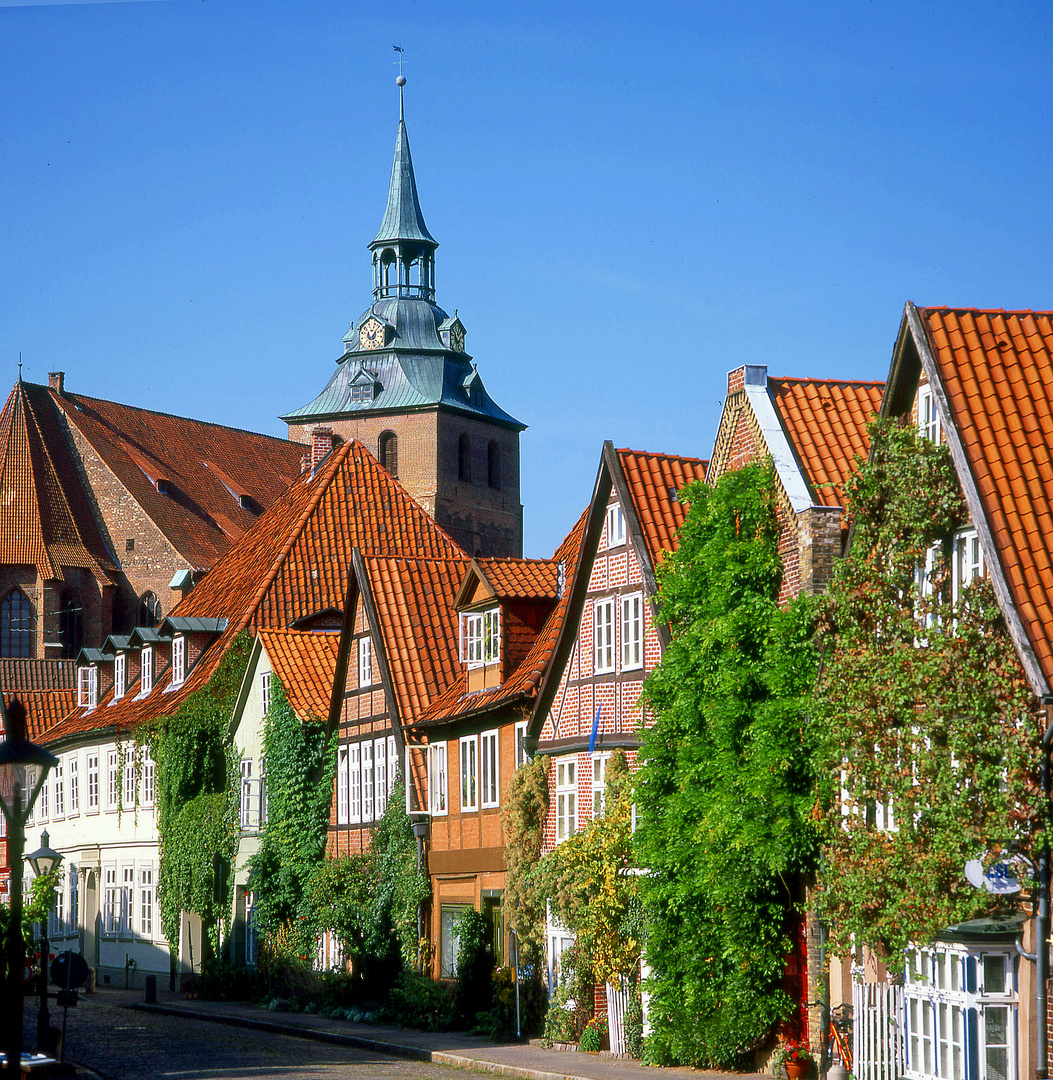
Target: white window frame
(73, 780)
(967, 559)
(598, 766)
(632, 613)
(522, 757)
(365, 661)
(438, 794)
(58, 802)
(42, 800)
(603, 635)
(341, 787)
(146, 670)
(615, 526)
(87, 686)
(120, 675)
(245, 806)
(469, 769)
(94, 792)
(481, 637)
(929, 424)
(490, 769)
(113, 792)
(354, 776)
(148, 777)
(130, 779)
(381, 779)
(127, 898)
(110, 901)
(178, 660)
(367, 780)
(566, 770)
(265, 693)
(147, 897)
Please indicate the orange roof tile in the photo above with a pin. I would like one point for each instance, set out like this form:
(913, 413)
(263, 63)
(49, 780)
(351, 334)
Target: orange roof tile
(525, 681)
(521, 579)
(997, 370)
(45, 518)
(654, 480)
(293, 562)
(19, 676)
(413, 600)
(826, 423)
(45, 709)
(305, 663)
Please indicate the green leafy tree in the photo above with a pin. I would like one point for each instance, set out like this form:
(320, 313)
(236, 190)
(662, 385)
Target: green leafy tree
(727, 784)
(300, 763)
(197, 798)
(931, 730)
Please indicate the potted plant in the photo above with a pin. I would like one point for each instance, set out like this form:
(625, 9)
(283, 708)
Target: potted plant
(795, 1058)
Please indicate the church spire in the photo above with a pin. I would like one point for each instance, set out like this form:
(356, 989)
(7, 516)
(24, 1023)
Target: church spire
(403, 249)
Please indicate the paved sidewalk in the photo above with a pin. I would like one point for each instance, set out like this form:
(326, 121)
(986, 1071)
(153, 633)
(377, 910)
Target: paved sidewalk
(454, 1050)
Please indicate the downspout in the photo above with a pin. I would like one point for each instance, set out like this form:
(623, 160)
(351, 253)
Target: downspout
(1042, 919)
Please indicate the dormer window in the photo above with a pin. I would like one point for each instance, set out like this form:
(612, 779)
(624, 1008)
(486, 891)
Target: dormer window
(88, 687)
(120, 674)
(178, 660)
(481, 637)
(163, 487)
(146, 671)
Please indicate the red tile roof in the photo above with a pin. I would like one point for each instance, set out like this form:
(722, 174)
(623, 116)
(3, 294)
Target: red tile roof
(525, 681)
(45, 709)
(997, 370)
(19, 676)
(654, 480)
(826, 423)
(45, 518)
(413, 599)
(305, 663)
(208, 468)
(521, 579)
(292, 562)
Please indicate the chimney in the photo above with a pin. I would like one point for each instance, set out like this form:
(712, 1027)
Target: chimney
(321, 444)
(57, 381)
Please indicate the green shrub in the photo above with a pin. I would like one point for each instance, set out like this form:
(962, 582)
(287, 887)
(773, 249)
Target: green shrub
(221, 980)
(473, 992)
(594, 1037)
(634, 1043)
(417, 1001)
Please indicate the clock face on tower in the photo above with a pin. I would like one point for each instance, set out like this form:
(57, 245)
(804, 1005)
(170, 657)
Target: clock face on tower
(371, 334)
(457, 338)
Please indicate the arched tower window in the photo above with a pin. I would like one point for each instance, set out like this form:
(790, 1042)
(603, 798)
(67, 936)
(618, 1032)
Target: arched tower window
(71, 624)
(16, 626)
(493, 465)
(149, 613)
(389, 452)
(464, 459)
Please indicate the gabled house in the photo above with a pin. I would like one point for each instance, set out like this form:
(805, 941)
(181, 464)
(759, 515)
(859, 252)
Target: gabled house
(289, 569)
(588, 703)
(112, 512)
(980, 381)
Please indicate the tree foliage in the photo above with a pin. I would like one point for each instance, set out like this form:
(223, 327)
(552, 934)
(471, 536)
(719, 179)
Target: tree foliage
(299, 763)
(523, 814)
(585, 882)
(727, 785)
(931, 732)
(196, 793)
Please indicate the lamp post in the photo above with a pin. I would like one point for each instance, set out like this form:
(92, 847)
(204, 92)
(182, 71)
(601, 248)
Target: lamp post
(17, 795)
(44, 860)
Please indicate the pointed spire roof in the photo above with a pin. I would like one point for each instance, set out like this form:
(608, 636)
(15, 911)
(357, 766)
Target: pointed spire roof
(403, 219)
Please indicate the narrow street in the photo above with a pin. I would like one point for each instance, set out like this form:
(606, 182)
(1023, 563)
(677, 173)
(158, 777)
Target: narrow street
(125, 1044)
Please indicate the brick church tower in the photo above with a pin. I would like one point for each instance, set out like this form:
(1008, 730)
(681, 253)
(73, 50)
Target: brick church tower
(406, 389)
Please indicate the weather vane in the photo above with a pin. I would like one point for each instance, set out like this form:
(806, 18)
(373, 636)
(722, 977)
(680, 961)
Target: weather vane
(399, 50)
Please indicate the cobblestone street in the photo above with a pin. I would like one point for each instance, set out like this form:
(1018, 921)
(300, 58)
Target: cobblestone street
(125, 1044)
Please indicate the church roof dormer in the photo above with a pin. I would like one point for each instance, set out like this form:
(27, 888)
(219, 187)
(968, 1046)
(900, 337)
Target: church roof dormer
(403, 219)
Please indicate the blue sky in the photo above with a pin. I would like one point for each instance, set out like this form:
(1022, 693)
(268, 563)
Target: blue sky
(630, 198)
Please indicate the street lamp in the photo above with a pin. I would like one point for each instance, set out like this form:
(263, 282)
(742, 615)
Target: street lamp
(17, 756)
(44, 860)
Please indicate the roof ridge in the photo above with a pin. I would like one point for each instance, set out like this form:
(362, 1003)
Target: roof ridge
(814, 379)
(662, 454)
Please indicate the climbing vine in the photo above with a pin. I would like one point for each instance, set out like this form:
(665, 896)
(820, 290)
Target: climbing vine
(931, 734)
(523, 816)
(196, 798)
(299, 763)
(726, 786)
(585, 882)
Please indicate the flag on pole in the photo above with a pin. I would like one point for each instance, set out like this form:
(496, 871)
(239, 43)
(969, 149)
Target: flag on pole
(595, 730)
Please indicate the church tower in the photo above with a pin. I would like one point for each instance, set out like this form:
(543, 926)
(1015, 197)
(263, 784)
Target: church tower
(406, 389)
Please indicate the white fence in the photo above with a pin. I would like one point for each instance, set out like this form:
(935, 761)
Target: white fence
(617, 1000)
(878, 1040)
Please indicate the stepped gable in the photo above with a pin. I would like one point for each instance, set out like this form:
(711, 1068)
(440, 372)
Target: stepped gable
(292, 563)
(45, 517)
(525, 681)
(653, 481)
(412, 600)
(826, 422)
(218, 479)
(996, 372)
(305, 663)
